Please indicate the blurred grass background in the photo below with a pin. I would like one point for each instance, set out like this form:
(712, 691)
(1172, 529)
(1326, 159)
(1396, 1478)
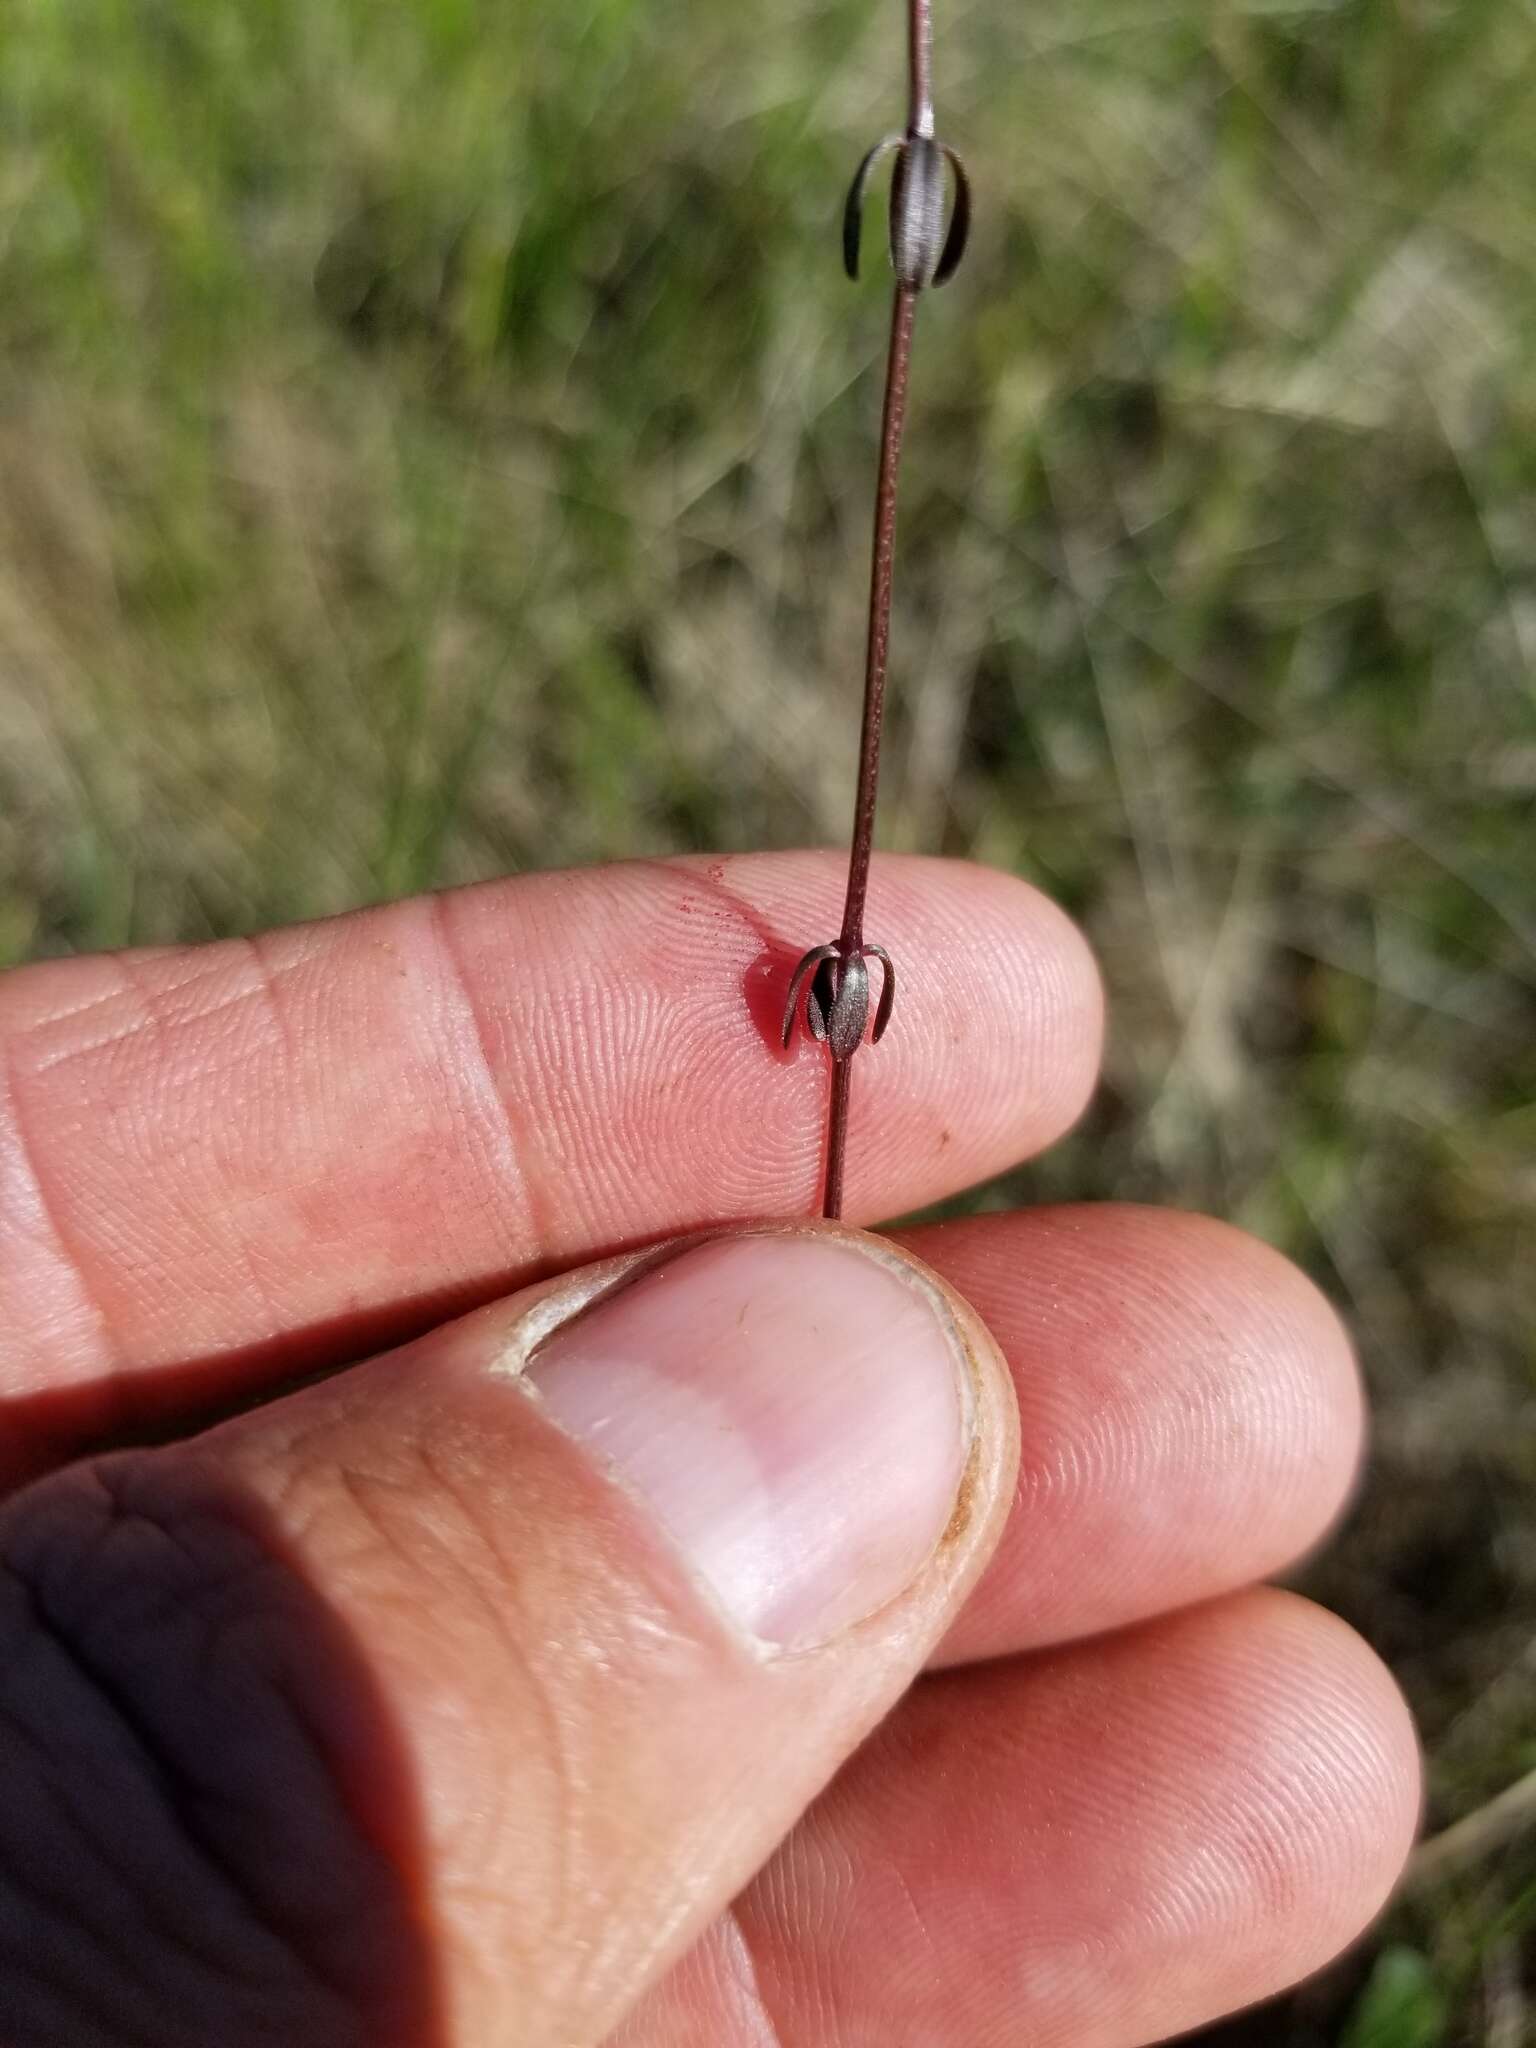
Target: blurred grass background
(436, 439)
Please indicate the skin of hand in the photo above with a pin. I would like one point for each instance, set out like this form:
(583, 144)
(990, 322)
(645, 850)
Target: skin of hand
(668, 1629)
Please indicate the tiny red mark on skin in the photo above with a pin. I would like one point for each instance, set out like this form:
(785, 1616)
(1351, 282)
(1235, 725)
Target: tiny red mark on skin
(764, 987)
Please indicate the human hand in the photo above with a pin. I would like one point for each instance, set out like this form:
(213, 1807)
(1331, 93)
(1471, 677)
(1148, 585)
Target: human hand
(414, 1710)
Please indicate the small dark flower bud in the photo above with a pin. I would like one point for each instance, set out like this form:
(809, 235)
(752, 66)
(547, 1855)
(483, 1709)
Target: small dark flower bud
(837, 1008)
(917, 211)
(837, 1000)
(922, 252)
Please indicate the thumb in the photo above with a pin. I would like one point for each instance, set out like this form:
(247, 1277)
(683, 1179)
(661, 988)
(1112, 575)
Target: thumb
(445, 1703)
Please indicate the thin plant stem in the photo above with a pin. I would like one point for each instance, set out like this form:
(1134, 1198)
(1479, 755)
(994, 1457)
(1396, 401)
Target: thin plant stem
(877, 650)
(876, 662)
(878, 642)
(837, 1135)
(920, 68)
(832, 980)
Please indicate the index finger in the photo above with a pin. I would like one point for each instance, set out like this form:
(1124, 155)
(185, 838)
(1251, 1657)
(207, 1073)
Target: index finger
(307, 1140)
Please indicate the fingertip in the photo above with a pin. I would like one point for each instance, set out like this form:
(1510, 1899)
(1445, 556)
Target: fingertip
(1354, 1753)
(1023, 996)
(1107, 1845)
(1191, 1414)
(818, 1421)
(1286, 1769)
(1289, 1343)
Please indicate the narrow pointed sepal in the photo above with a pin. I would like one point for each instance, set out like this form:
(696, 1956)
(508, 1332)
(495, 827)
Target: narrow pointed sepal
(806, 968)
(887, 991)
(959, 222)
(853, 205)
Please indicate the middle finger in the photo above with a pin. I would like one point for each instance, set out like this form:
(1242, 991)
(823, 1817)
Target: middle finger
(1190, 1414)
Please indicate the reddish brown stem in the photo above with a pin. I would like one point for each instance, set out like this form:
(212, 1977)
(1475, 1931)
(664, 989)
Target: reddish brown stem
(877, 649)
(877, 653)
(920, 68)
(837, 1135)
